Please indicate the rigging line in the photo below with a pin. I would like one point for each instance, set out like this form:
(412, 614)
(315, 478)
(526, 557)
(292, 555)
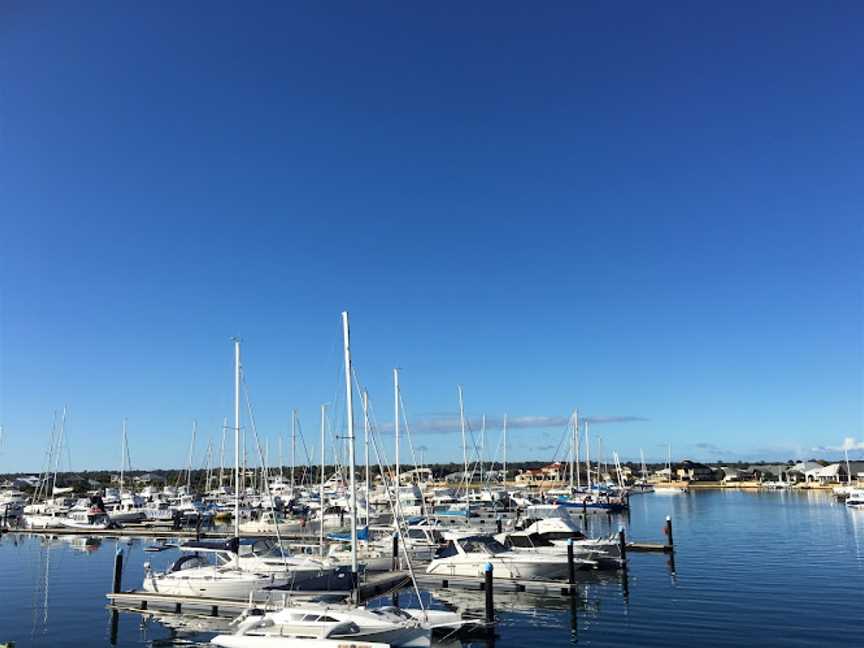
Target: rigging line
(264, 469)
(401, 528)
(408, 430)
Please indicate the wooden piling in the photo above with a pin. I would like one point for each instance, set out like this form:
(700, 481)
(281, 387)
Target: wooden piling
(622, 545)
(395, 562)
(489, 591)
(571, 566)
(118, 572)
(669, 541)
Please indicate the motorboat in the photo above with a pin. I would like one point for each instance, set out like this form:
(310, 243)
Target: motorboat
(388, 626)
(241, 567)
(469, 556)
(270, 522)
(855, 499)
(87, 515)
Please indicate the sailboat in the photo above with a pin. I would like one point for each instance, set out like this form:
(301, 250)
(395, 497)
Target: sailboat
(642, 486)
(235, 573)
(669, 487)
(311, 624)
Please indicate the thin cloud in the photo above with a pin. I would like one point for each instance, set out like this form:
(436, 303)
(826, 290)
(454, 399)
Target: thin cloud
(440, 424)
(849, 443)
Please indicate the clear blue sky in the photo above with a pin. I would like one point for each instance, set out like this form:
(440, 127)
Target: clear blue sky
(649, 210)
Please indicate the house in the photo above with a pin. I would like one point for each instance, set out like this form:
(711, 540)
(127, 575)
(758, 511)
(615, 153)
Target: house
(554, 472)
(731, 474)
(25, 482)
(149, 479)
(693, 471)
(834, 473)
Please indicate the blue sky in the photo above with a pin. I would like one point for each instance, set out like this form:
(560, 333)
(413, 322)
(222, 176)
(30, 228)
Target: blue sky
(641, 211)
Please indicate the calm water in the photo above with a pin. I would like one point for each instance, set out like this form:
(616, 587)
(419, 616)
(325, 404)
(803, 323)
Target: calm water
(750, 569)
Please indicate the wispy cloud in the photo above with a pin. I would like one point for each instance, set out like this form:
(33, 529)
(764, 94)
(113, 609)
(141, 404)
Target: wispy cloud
(443, 423)
(849, 443)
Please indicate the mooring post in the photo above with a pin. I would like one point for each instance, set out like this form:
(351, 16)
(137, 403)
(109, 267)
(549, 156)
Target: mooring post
(488, 591)
(669, 541)
(622, 545)
(118, 571)
(395, 551)
(498, 524)
(571, 567)
(178, 608)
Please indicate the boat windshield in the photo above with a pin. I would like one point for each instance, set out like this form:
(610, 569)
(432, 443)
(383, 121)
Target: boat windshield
(477, 544)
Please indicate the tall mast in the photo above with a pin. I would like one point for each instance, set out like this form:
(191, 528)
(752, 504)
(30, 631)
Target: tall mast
(222, 454)
(482, 445)
(349, 407)
(321, 489)
(191, 450)
(366, 448)
(293, 445)
(396, 429)
(504, 481)
(59, 449)
(464, 438)
(576, 449)
(122, 456)
(587, 455)
(236, 437)
(281, 475)
(573, 426)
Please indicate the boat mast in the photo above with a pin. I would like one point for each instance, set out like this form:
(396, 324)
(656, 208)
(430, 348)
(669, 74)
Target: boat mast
(321, 488)
(222, 454)
(189, 463)
(848, 469)
(293, 446)
(576, 449)
(464, 439)
(366, 448)
(396, 429)
(573, 432)
(587, 455)
(122, 456)
(504, 480)
(236, 437)
(482, 445)
(349, 406)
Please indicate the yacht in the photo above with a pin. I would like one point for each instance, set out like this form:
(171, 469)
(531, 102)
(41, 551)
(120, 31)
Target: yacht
(468, 556)
(87, 515)
(383, 626)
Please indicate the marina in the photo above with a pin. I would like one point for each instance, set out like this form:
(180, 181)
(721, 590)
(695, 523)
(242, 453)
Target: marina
(717, 545)
(442, 325)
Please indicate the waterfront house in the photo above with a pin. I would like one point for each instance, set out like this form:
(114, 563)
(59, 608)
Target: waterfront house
(554, 472)
(693, 471)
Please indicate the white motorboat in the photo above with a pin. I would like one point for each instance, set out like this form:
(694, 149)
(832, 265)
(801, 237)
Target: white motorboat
(855, 499)
(469, 556)
(89, 516)
(385, 625)
(270, 523)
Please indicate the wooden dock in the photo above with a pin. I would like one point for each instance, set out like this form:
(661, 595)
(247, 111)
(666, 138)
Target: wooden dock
(140, 601)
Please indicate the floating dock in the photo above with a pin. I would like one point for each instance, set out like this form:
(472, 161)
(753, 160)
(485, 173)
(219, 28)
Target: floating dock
(140, 601)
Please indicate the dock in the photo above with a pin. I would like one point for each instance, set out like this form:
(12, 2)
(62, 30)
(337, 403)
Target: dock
(140, 601)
